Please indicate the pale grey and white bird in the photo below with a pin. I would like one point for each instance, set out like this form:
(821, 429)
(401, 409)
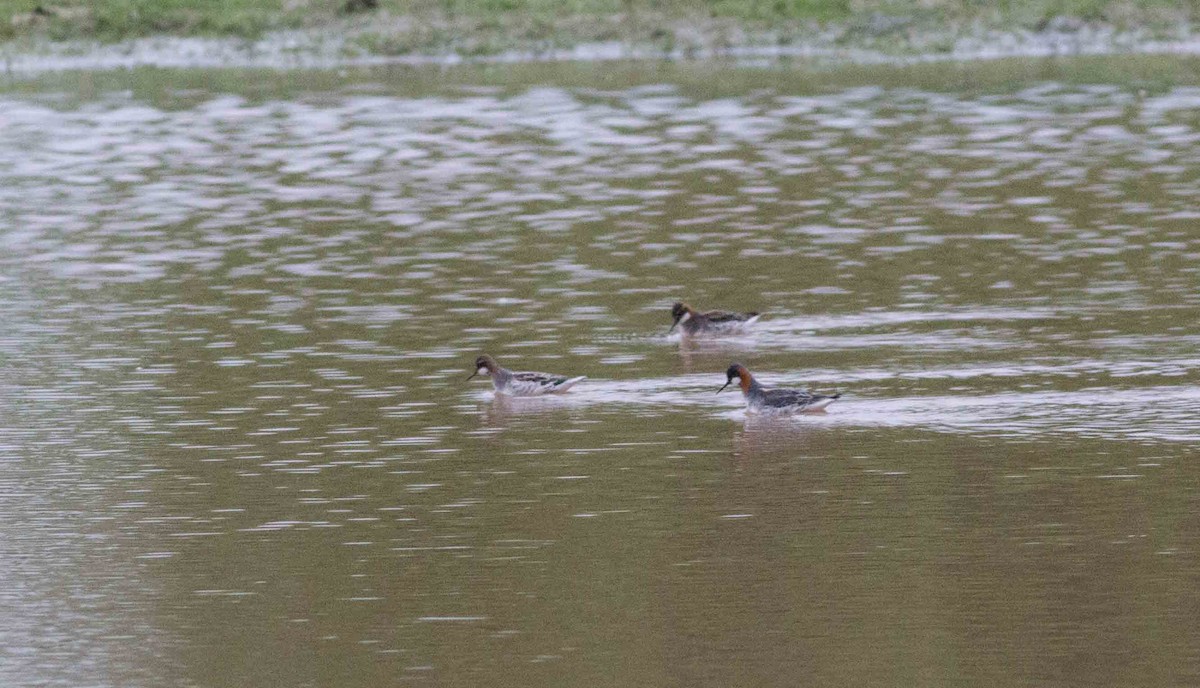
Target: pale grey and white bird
(522, 384)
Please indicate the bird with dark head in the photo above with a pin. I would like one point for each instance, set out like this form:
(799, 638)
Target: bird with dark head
(759, 399)
(692, 322)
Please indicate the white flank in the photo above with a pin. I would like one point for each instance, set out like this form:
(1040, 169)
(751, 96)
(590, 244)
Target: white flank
(569, 384)
(819, 405)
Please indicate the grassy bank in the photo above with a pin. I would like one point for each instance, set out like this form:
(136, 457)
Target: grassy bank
(397, 27)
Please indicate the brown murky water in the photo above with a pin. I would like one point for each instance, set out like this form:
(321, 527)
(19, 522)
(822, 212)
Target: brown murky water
(239, 307)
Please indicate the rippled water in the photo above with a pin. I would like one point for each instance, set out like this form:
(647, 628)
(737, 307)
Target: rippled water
(239, 309)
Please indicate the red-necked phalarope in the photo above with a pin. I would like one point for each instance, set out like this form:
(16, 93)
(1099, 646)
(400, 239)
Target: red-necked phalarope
(692, 322)
(759, 399)
(527, 384)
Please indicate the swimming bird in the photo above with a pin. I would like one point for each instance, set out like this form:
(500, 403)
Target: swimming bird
(522, 384)
(692, 322)
(759, 399)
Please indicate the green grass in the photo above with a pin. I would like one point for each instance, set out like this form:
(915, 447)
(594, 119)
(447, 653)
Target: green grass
(117, 19)
(480, 26)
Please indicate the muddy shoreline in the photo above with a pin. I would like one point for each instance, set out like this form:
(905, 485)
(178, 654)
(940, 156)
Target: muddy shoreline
(391, 42)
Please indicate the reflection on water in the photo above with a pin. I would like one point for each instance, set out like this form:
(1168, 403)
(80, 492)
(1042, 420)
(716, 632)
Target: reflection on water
(238, 448)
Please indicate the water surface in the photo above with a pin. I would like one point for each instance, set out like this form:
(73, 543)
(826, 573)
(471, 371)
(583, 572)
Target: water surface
(239, 309)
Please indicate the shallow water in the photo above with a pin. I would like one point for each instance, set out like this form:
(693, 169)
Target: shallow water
(240, 307)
